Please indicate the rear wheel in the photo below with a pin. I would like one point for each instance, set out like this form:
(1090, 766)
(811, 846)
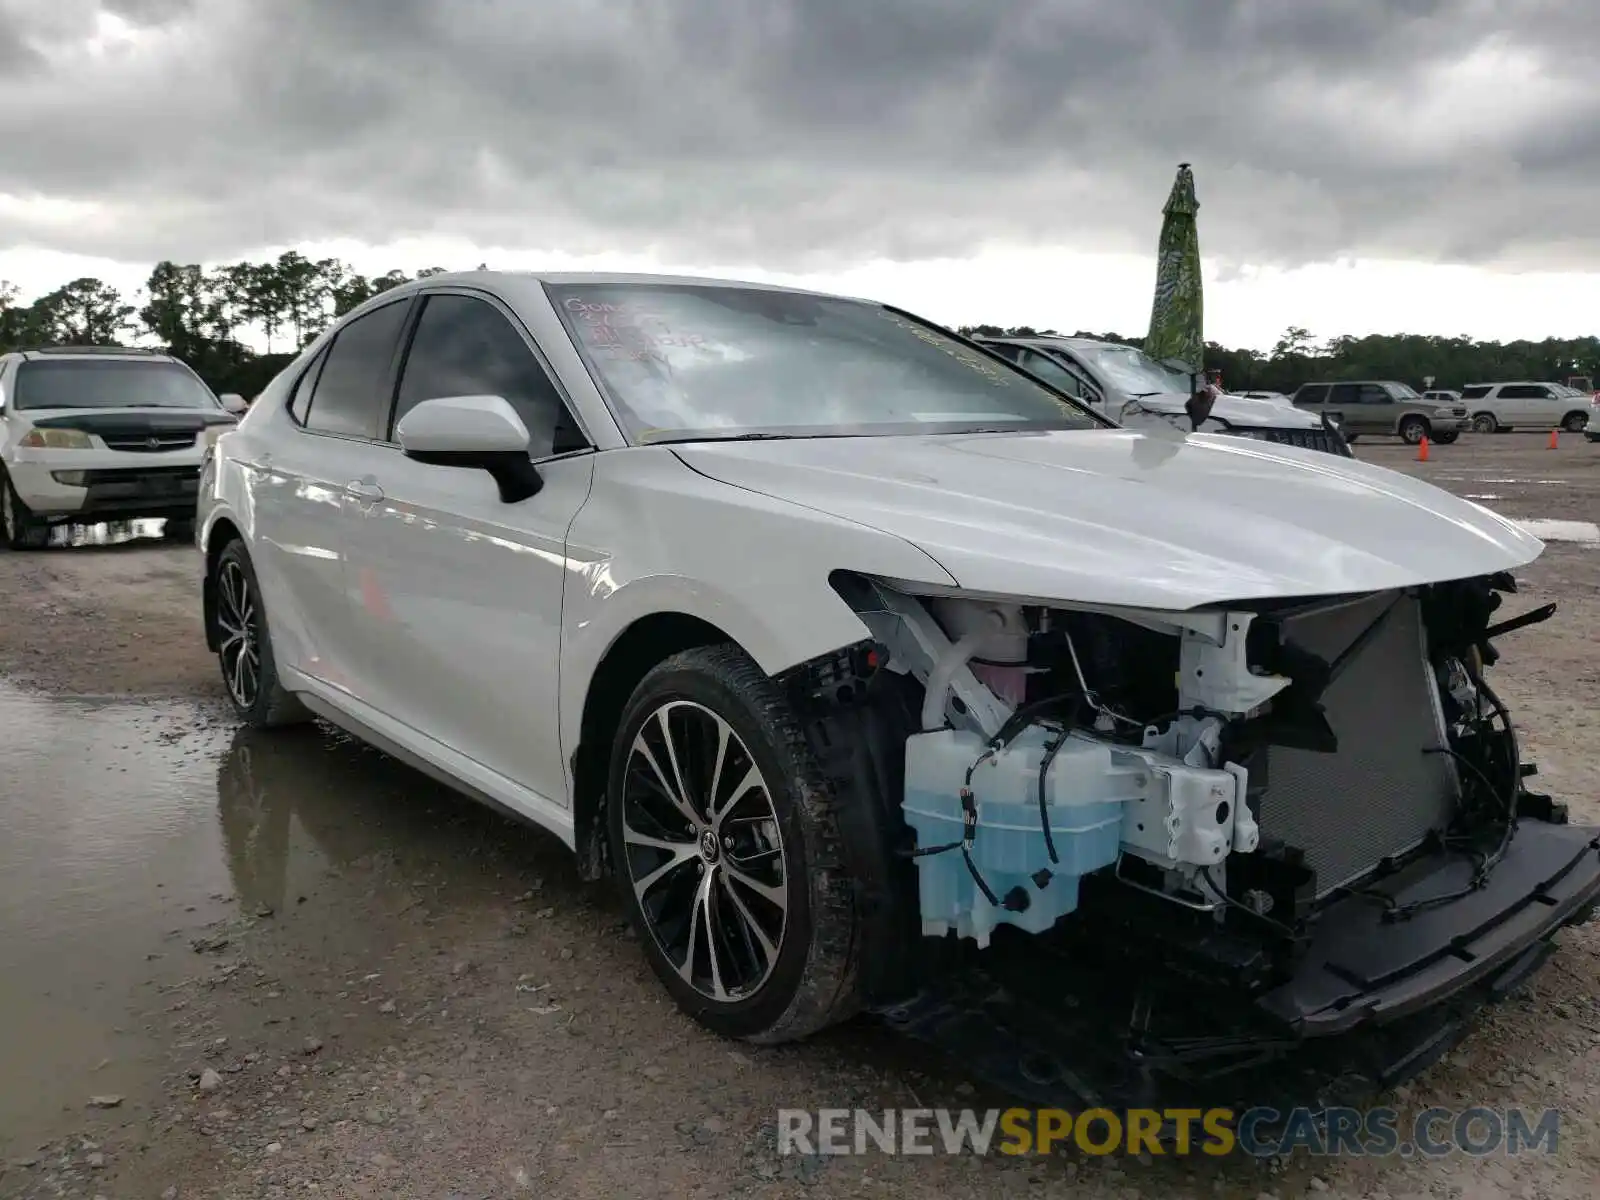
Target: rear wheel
(244, 645)
(1485, 423)
(1413, 429)
(19, 528)
(725, 841)
(1575, 422)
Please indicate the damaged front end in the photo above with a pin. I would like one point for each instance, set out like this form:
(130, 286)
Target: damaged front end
(1157, 847)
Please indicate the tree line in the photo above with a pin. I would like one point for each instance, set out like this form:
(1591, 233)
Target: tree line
(203, 315)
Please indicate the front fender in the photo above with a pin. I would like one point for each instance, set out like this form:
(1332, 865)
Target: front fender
(657, 536)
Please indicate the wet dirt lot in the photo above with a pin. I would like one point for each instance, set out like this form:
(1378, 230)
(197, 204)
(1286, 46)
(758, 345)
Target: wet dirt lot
(299, 968)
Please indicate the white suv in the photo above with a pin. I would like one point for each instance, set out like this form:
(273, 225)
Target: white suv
(1499, 407)
(90, 433)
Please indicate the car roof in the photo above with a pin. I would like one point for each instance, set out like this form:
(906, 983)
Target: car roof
(1050, 339)
(491, 278)
(130, 353)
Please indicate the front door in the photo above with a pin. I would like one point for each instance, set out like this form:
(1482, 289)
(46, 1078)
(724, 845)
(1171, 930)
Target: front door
(461, 592)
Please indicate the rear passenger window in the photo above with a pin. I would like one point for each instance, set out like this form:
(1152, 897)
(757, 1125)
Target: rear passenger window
(467, 347)
(1312, 393)
(351, 392)
(300, 402)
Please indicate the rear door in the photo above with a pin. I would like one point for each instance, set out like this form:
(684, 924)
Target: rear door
(1344, 406)
(466, 590)
(304, 512)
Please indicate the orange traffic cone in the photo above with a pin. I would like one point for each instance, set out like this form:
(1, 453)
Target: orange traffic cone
(1422, 449)
(1555, 439)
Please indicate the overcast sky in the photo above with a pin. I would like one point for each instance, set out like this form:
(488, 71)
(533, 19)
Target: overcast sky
(1362, 165)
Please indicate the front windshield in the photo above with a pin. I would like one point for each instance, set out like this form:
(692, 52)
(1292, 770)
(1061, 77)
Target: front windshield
(109, 383)
(686, 362)
(1131, 371)
(1404, 391)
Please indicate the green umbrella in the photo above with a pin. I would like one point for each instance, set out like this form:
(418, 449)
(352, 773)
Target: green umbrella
(1177, 316)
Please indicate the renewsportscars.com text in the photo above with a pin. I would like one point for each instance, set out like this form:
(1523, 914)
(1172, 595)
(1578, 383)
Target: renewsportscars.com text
(1218, 1132)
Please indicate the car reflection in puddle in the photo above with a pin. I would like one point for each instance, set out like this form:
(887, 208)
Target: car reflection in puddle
(106, 533)
(294, 804)
(133, 827)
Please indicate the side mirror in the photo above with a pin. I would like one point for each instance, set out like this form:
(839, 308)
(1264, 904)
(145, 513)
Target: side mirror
(479, 432)
(233, 402)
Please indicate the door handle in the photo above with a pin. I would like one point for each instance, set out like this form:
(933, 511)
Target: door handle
(363, 493)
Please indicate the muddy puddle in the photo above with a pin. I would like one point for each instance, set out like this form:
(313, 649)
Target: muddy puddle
(135, 831)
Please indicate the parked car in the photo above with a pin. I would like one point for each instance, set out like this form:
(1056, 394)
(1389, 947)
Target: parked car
(1592, 431)
(1383, 407)
(94, 433)
(865, 661)
(1501, 407)
(1133, 389)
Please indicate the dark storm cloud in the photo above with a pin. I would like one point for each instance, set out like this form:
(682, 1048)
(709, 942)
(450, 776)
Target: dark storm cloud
(810, 135)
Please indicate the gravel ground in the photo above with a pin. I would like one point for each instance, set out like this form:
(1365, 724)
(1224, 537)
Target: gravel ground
(404, 996)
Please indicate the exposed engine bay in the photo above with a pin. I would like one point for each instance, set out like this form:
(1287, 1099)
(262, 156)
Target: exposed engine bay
(1316, 809)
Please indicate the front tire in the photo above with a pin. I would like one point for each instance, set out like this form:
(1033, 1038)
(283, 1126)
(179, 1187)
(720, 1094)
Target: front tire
(19, 528)
(1413, 429)
(724, 837)
(244, 649)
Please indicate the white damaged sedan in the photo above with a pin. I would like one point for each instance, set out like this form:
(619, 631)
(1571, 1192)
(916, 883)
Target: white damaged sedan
(868, 662)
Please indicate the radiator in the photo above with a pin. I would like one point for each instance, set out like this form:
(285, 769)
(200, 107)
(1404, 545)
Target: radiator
(1379, 794)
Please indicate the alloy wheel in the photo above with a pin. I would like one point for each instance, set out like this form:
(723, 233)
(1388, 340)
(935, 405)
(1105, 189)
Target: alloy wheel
(704, 851)
(238, 617)
(1484, 423)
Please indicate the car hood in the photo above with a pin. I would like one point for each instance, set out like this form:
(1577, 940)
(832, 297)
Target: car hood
(1227, 409)
(1120, 517)
(97, 420)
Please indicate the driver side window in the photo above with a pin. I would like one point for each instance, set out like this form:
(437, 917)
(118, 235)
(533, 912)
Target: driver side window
(466, 347)
(1053, 373)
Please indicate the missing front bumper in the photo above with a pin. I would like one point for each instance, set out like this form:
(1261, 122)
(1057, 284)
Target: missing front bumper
(1371, 1004)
